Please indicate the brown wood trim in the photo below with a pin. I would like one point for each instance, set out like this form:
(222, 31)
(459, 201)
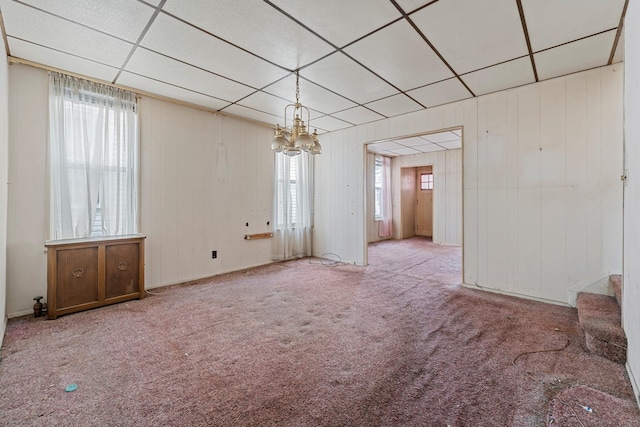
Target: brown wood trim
(618, 33)
(143, 292)
(258, 236)
(528, 40)
(51, 291)
(101, 274)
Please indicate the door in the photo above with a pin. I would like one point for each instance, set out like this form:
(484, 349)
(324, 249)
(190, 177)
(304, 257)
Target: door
(424, 201)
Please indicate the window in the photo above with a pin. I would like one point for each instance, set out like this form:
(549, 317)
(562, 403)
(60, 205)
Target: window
(293, 206)
(426, 181)
(93, 159)
(287, 183)
(377, 173)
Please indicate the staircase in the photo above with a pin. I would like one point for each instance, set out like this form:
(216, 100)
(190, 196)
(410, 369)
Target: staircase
(600, 318)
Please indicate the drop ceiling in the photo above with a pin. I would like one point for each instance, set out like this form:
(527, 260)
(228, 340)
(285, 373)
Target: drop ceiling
(448, 140)
(359, 60)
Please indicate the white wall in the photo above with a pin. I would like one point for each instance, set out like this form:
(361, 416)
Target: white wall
(4, 175)
(26, 256)
(189, 204)
(631, 280)
(542, 191)
(447, 191)
(204, 177)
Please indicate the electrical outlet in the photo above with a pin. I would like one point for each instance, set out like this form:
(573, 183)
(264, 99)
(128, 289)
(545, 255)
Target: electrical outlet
(214, 254)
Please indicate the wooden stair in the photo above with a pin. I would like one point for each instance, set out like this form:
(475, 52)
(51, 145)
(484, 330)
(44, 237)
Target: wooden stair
(600, 318)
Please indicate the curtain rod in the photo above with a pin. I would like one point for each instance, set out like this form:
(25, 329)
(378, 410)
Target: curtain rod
(138, 92)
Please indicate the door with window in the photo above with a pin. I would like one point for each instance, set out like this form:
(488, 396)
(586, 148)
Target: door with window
(424, 201)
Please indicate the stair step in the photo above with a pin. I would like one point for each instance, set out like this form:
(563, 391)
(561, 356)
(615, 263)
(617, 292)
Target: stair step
(616, 282)
(599, 316)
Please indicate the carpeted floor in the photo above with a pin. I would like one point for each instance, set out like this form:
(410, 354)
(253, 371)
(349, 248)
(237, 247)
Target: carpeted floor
(300, 343)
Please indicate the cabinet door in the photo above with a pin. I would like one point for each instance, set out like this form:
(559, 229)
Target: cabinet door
(122, 269)
(76, 277)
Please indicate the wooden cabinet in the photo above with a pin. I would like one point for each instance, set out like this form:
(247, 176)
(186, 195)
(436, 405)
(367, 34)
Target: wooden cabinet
(89, 273)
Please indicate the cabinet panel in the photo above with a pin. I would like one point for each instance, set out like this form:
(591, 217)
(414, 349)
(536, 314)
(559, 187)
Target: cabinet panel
(77, 277)
(121, 270)
(89, 273)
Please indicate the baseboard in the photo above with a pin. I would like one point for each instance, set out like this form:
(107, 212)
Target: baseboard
(515, 294)
(4, 328)
(203, 278)
(19, 313)
(634, 384)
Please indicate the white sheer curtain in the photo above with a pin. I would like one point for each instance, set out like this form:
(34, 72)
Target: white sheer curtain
(385, 225)
(293, 207)
(93, 158)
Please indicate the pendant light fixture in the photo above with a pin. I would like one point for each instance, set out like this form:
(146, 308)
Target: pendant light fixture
(295, 138)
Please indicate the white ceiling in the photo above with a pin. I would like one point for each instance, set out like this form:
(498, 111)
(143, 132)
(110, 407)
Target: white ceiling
(359, 60)
(449, 140)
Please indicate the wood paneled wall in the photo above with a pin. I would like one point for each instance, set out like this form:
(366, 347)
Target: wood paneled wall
(631, 277)
(203, 178)
(542, 194)
(447, 200)
(4, 178)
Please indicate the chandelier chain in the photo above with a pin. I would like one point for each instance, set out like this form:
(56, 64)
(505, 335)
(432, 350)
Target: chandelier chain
(297, 87)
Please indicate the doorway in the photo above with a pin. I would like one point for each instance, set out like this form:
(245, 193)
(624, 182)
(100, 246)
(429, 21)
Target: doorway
(426, 172)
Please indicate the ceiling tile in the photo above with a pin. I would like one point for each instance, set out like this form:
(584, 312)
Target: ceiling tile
(502, 76)
(358, 115)
(186, 43)
(394, 105)
(451, 145)
(340, 74)
(388, 153)
(267, 103)
(311, 95)
(428, 148)
(406, 151)
(553, 22)
(329, 123)
(440, 93)
(159, 67)
(241, 111)
(26, 23)
(122, 18)
(411, 142)
(355, 19)
(256, 27)
(488, 32)
(398, 54)
(169, 91)
(411, 5)
(577, 56)
(386, 145)
(152, 2)
(55, 59)
(440, 137)
(619, 55)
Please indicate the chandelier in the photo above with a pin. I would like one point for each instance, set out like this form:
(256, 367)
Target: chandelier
(295, 138)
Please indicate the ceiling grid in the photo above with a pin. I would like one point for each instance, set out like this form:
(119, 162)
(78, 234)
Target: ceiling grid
(359, 61)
